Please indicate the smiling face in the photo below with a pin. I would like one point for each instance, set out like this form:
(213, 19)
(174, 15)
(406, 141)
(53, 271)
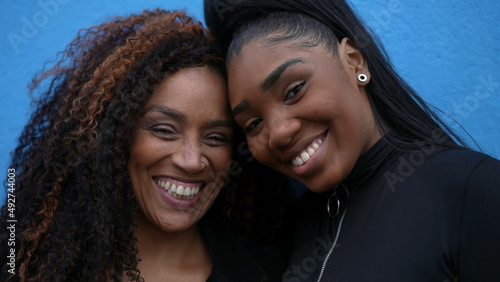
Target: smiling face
(181, 149)
(304, 112)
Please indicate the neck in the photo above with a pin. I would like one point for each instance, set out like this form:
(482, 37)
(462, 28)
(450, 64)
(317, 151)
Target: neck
(171, 254)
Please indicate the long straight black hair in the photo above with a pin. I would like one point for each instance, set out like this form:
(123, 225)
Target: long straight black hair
(394, 101)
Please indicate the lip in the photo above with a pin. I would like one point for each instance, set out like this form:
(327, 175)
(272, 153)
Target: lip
(309, 165)
(175, 202)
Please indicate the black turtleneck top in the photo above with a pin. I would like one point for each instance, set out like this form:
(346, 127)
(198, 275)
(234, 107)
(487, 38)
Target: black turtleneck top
(413, 213)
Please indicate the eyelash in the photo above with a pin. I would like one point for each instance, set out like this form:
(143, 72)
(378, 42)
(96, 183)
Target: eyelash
(252, 126)
(213, 139)
(157, 129)
(295, 90)
(216, 140)
(160, 131)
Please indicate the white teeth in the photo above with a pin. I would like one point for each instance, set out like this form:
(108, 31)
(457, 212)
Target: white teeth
(306, 155)
(179, 191)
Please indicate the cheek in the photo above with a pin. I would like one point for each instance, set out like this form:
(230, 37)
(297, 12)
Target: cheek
(135, 160)
(144, 152)
(221, 166)
(135, 170)
(259, 144)
(139, 154)
(337, 109)
(220, 158)
(262, 153)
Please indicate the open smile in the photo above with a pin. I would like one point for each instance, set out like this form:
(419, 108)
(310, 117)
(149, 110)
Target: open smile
(178, 189)
(311, 149)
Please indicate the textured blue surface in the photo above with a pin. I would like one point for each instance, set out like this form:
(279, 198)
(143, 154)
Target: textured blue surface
(447, 50)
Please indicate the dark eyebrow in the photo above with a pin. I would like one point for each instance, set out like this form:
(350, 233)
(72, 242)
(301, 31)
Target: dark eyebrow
(166, 111)
(218, 123)
(182, 117)
(240, 107)
(276, 73)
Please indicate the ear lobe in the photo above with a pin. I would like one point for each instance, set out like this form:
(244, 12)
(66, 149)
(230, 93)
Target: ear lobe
(354, 60)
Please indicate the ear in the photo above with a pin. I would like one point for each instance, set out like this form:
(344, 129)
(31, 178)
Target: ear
(353, 60)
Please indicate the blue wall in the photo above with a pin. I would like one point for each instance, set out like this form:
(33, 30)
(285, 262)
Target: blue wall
(447, 50)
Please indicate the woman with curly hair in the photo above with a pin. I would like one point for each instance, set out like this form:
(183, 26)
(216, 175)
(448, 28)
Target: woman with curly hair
(129, 147)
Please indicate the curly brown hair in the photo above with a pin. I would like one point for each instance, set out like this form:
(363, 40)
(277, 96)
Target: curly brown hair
(74, 202)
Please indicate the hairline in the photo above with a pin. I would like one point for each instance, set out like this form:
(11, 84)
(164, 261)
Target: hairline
(286, 32)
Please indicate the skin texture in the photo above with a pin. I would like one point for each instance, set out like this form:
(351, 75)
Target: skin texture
(75, 189)
(317, 95)
(181, 142)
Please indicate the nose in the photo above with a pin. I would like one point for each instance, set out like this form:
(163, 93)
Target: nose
(281, 131)
(190, 159)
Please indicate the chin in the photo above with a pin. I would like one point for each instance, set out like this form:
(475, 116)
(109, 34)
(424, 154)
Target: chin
(319, 188)
(316, 187)
(178, 227)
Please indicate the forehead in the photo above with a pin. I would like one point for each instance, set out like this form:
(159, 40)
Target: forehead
(178, 79)
(257, 59)
(189, 88)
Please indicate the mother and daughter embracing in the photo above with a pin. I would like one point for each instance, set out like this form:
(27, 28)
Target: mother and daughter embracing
(163, 151)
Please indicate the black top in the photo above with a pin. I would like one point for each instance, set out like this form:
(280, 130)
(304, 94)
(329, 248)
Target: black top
(238, 259)
(426, 213)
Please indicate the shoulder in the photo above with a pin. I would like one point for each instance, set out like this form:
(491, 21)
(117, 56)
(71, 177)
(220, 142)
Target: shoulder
(473, 168)
(452, 166)
(444, 173)
(479, 249)
(475, 174)
(472, 178)
(461, 157)
(237, 258)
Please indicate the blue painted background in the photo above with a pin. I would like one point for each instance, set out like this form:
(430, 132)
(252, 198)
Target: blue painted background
(447, 50)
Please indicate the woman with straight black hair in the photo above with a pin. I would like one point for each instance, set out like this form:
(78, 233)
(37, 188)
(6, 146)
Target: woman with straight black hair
(394, 194)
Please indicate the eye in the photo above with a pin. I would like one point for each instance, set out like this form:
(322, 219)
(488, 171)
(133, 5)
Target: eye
(290, 94)
(161, 131)
(251, 127)
(217, 139)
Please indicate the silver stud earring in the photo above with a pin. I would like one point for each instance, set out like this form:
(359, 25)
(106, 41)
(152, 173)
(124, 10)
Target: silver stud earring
(362, 77)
